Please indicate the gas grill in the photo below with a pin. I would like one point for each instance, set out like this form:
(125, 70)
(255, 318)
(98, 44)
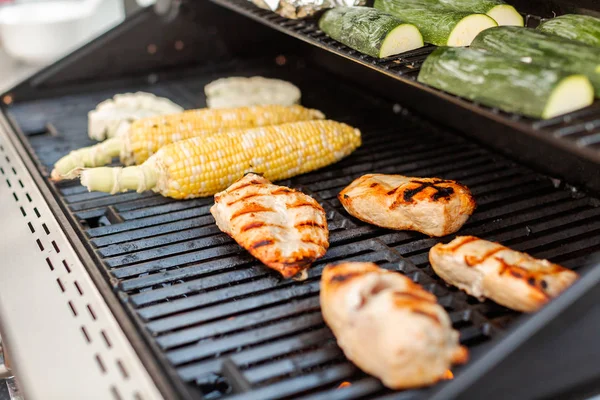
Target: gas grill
(136, 296)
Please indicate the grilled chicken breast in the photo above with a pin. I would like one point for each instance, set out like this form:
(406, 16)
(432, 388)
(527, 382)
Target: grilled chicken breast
(389, 326)
(284, 228)
(489, 270)
(432, 206)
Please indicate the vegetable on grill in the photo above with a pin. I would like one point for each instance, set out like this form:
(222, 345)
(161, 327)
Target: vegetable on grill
(203, 166)
(370, 31)
(583, 28)
(541, 48)
(438, 25)
(506, 83)
(502, 13)
(113, 117)
(237, 91)
(148, 135)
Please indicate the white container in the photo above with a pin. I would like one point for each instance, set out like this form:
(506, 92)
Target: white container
(40, 32)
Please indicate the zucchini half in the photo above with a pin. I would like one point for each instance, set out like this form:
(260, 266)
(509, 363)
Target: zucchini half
(583, 28)
(541, 48)
(439, 25)
(508, 84)
(505, 14)
(467, 29)
(572, 93)
(370, 31)
(502, 13)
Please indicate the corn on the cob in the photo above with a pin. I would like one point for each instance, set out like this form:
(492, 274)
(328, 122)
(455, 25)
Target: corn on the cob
(113, 116)
(200, 167)
(148, 135)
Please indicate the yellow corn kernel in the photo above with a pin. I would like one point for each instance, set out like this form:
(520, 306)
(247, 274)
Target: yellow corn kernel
(146, 136)
(200, 167)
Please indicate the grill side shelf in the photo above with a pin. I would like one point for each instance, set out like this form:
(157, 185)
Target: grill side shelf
(574, 138)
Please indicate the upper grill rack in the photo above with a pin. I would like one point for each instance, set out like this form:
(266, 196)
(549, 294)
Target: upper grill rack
(579, 131)
(226, 324)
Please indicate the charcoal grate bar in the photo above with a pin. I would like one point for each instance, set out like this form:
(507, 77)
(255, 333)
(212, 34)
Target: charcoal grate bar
(257, 335)
(295, 385)
(308, 359)
(238, 323)
(363, 248)
(248, 304)
(261, 353)
(230, 327)
(357, 389)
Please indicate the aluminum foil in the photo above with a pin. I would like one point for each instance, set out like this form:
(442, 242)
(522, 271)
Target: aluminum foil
(295, 9)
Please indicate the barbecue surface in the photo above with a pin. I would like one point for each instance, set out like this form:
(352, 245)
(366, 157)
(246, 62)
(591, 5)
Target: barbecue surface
(229, 325)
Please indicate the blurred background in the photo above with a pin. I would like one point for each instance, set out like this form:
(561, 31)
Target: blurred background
(33, 33)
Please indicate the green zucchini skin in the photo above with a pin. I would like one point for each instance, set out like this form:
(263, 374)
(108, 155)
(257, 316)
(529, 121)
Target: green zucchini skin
(491, 79)
(479, 6)
(435, 22)
(361, 28)
(583, 28)
(542, 48)
(470, 6)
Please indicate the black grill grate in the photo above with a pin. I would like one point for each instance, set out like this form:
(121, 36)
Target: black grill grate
(579, 131)
(226, 324)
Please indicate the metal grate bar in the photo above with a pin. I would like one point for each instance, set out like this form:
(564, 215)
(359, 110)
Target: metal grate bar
(357, 389)
(247, 288)
(260, 353)
(149, 210)
(305, 360)
(293, 386)
(143, 222)
(247, 304)
(232, 342)
(187, 233)
(233, 324)
(526, 223)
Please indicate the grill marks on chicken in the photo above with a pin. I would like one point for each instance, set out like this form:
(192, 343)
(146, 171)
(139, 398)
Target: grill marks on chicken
(283, 228)
(433, 206)
(486, 269)
(389, 326)
(415, 186)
